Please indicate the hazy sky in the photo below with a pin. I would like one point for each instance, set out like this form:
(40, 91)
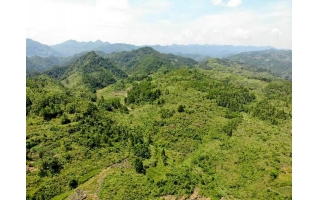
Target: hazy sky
(164, 22)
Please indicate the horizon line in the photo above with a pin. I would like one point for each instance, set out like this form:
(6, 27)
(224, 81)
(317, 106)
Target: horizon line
(159, 44)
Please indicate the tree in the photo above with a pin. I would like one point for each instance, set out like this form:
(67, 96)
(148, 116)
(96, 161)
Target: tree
(28, 104)
(64, 119)
(73, 184)
(142, 150)
(164, 157)
(139, 166)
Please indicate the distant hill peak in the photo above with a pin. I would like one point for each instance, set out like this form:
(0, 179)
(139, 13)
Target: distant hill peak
(147, 50)
(91, 53)
(100, 42)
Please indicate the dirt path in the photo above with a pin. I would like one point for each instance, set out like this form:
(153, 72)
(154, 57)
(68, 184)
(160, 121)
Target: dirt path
(90, 189)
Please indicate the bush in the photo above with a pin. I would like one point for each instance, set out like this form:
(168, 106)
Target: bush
(181, 108)
(142, 150)
(274, 174)
(139, 166)
(124, 109)
(65, 120)
(52, 165)
(231, 126)
(166, 113)
(73, 184)
(142, 92)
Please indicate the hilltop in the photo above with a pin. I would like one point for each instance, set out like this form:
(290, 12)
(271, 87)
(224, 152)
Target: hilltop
(146, 61)
(89, 70)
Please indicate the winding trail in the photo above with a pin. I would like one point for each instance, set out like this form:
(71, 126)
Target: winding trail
(90, 189)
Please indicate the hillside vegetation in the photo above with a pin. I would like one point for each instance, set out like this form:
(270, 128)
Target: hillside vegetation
(90, 70)
(157, 126)
(146, 60)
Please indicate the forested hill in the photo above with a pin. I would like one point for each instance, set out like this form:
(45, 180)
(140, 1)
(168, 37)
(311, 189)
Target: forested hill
(142, 61)
(146, 61)
(182, 129)
(278, 62)
(89, 70)
(39, 64)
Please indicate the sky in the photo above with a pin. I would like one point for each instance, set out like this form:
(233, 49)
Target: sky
(163, 22)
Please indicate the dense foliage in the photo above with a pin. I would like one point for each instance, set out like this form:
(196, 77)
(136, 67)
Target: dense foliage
(218, 133)
(90, 70)
(142, 92)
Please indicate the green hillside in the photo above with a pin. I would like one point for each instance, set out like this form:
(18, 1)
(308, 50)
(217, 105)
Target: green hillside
(146, 60)
(37, 64)
(278, 62)
(213, 130)
(88, 71)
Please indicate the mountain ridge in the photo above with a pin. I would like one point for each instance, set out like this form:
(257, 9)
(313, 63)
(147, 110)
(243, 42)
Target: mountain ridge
(71, 47)
(34, 48)
(278, 62)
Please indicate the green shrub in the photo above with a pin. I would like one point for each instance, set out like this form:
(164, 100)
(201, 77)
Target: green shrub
(181, 108)
(139, 166)
(73, 184)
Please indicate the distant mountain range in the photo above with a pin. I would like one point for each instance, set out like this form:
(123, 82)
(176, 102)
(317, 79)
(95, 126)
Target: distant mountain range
(34, 48)
(71, 47)
(143, 59)
(278, 62)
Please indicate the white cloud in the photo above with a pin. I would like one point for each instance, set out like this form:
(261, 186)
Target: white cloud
(187, 33)
(230, 3)
(54, 22)
(119, 4)
(234, 3)
(237, 28)
(275, 31)
(217, 2)
(51, 22)
(242, 34)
